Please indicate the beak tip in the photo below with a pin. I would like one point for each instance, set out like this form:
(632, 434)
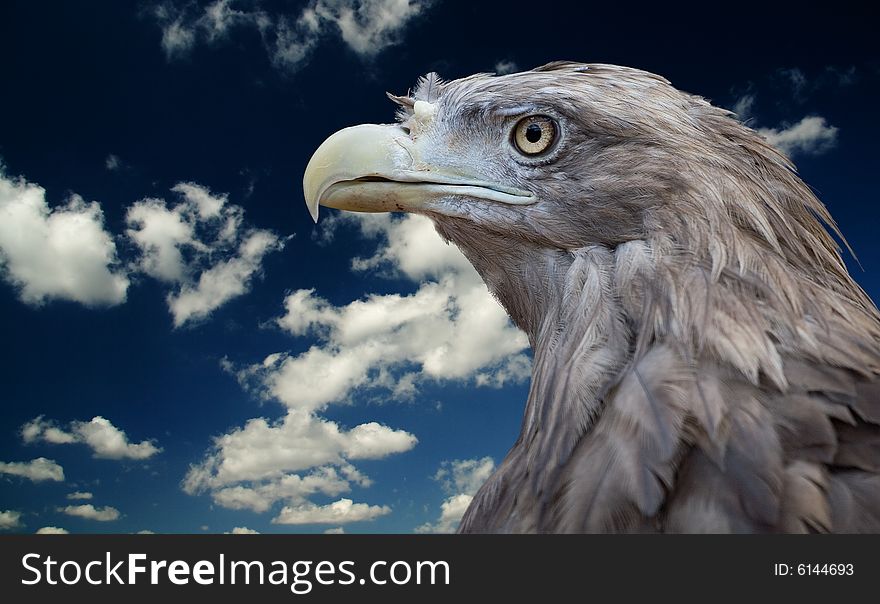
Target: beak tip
(352, 152)
(313, 211)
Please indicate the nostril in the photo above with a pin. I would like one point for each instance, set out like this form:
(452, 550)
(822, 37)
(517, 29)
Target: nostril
(405, 129)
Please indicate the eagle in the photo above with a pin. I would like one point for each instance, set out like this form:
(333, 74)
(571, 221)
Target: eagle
(703, 362)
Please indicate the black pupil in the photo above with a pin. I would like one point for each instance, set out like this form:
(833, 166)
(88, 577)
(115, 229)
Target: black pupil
(533, 133)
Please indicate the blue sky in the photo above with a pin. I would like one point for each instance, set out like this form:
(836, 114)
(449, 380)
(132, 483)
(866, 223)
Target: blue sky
(184, 351)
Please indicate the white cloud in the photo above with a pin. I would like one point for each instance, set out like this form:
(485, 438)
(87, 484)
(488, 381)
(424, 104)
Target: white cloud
(41, 429)
(199, 248)
(52, 530)
(109, 442)
(224, 281)
(221, 16)
(242, 530)
(464, 475)
(290, 460)
(177, 37)
(184, 25)
(335, 531)
(504, 67)
(106, 440)
(342, 511)
(9, 519)
(260, 496)
(160, 234)
(145, 532)
(36, 470)
(112, 162)
(515, 370)
(451, 512)
(300, 441)
(59, 253)
(366, 26)
(811, 136)
(79, 495)
(462, 478)
(375, 441)
(90, 512)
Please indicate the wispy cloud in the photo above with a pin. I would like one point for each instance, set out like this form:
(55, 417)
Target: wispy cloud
(801, 84)
(106, 440)
(796, 79)
(505, 66)
(112, 162)
(61, 253)
(36, 470)
(744, 106)
(366, 26)
(842, 76)
(177, 37)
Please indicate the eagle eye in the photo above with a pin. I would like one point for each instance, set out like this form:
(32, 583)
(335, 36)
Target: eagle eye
(534, 134)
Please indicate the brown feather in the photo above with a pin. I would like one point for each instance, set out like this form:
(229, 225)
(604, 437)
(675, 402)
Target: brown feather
(805, 507)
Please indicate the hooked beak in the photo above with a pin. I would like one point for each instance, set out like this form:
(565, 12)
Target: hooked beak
(379, 168)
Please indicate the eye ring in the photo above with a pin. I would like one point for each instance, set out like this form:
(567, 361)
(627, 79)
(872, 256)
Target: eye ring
(535, 134)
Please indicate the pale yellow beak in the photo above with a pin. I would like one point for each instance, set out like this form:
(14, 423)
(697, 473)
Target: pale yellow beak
(379, 168)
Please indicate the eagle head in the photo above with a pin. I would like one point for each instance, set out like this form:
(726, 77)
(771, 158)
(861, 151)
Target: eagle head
(562, 156)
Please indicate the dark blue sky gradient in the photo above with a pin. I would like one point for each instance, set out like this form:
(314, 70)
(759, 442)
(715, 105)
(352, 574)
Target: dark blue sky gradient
(83, 80)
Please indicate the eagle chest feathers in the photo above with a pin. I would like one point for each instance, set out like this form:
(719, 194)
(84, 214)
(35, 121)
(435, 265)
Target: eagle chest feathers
(703, 361)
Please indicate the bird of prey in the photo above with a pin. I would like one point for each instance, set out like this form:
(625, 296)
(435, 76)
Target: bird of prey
(702, 359)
